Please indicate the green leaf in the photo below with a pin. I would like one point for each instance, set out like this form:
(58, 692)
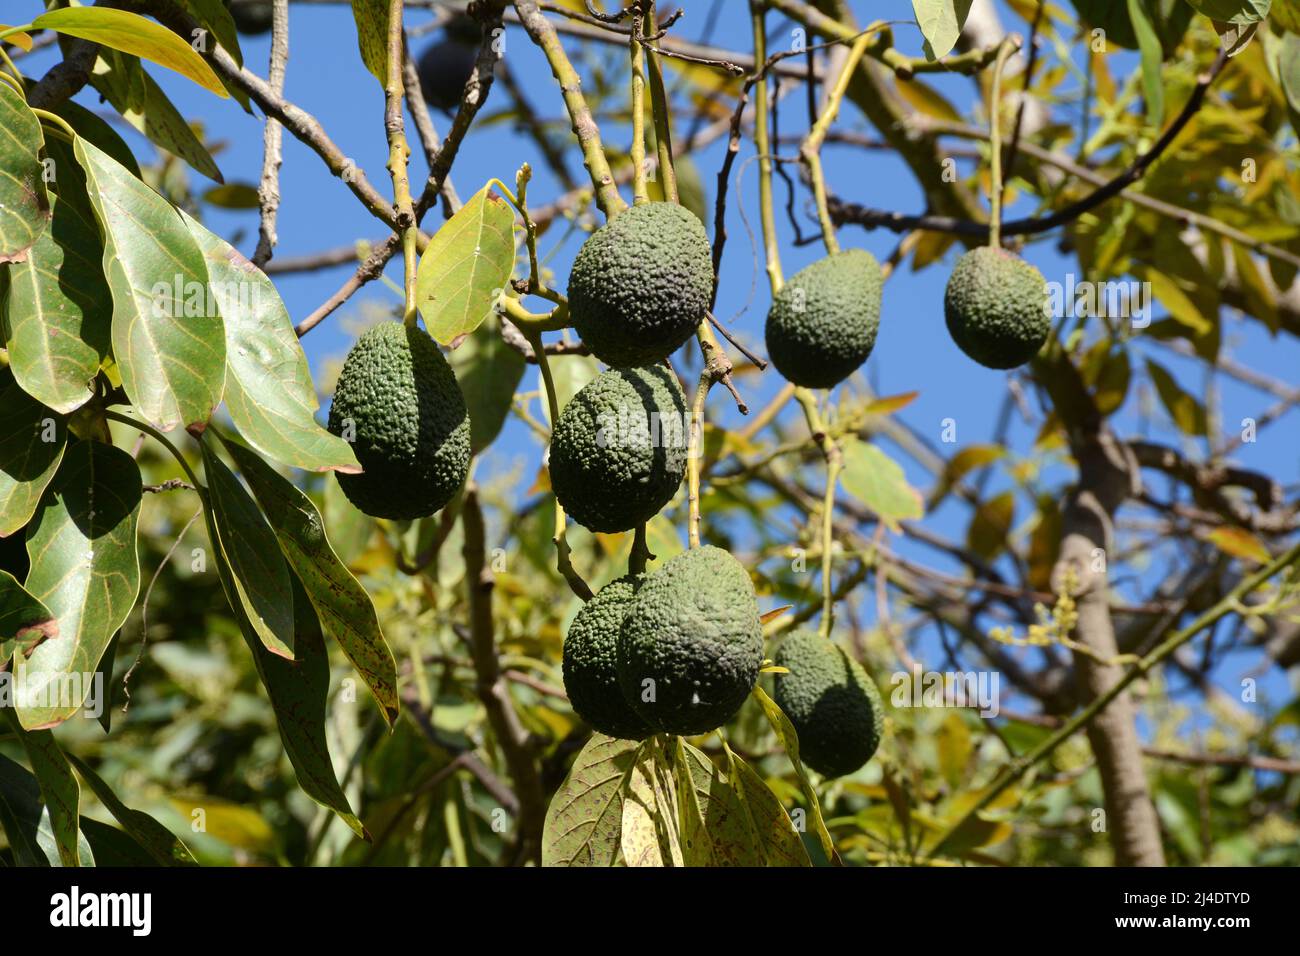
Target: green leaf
(372, 36)
(57, 315)
(299, 692)
(31, 446)
(489, 371)
(770, 826)
(344, 607)
(168, 338)
(466, 267)
(26, 821)
(878, 482)
(59, 790)
(233, 196)
(23, 207)
(584, 822)
(1152, 57)
(941, 22)
(90, 125)
(649, 830)
(132, 33)
(84, 568)
(259, 575)
(160, 843)
(23, 619)
(144, 105)
(1187, 412)
(785, 733)
(269, 390)
(1232, 11)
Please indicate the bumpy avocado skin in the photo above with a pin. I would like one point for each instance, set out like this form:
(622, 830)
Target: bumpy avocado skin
(618, 453)
(995, 306)
(409, 423)
(590, 663)
(823, 322)
(832, 702)
(694, 631)
(641, 284)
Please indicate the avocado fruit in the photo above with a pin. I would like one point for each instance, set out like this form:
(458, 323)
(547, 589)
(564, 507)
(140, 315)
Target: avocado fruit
(252, 17)
(832, 702)
(398, 402)
(995, 305)
(618, 450)
(590, 663)
(691, 644)
(641, 284)
(822, 324)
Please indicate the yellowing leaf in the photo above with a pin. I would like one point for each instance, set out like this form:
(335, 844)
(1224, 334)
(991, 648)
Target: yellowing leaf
(466, 267)
(878, 482)
(132, 33)
(1239, 543)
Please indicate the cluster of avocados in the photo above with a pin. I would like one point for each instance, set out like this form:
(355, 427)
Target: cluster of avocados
(676, 651)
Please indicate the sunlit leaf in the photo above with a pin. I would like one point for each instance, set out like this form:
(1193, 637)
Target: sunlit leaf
(57, 314)
(167, 336)
(878, 482)
(84, 568)
(269, 390)
(23, 207)
(584, 822)
(132, 33)
(466, 267)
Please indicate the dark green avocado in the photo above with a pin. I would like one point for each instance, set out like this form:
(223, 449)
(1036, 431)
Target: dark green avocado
(590, 663)
(996, 308)
(691, 644)
(823, 322)
(398, 403)
(641, 284)
(832, 702)
(618, 452)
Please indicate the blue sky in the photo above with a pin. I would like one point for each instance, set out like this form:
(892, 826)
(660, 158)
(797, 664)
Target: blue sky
(913, 351)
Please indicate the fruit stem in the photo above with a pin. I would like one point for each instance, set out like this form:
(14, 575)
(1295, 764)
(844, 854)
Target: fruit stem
(771, 251)
(398, 151)
(640, 190)
(667, 172)
(563, 555)
(834, 462)
(694, 453)
(810, 151)
(640, 555)
(1008, 46)
(543, 34)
